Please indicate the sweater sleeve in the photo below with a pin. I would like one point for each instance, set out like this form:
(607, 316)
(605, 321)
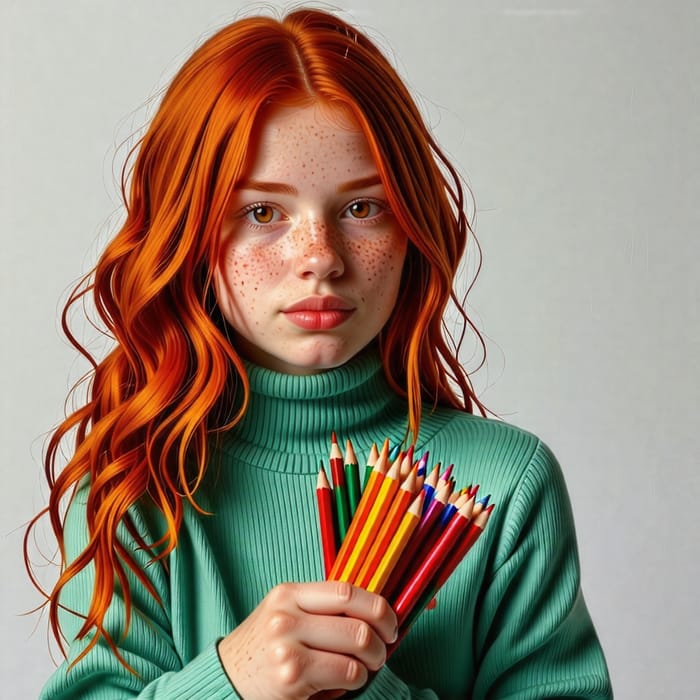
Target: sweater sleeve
(534, 637)
(148, 647)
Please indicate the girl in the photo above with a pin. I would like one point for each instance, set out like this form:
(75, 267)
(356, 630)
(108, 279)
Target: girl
(289, 250)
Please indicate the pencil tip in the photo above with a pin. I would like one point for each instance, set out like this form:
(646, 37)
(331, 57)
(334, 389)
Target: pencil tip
(334, 438)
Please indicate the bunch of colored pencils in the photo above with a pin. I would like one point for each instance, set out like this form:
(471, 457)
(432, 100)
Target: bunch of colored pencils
(403, 532)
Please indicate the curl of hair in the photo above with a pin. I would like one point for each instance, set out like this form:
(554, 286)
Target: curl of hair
(168, 385)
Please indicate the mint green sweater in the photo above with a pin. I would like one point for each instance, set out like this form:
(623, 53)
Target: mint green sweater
(510, 623)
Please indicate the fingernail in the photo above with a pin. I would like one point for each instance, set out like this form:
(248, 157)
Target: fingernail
(395, 636)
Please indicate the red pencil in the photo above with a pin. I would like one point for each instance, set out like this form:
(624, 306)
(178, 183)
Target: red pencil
(425, 534)
(326, 520)
(340, 491)
(475, 529)
(429, 567)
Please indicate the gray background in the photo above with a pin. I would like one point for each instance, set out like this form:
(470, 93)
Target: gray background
(575, 124)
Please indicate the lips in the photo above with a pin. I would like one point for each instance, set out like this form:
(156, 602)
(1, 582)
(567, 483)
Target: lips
(319, 313)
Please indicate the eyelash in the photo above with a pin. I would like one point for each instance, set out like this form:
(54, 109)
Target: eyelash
(381, 206)
(259, 205)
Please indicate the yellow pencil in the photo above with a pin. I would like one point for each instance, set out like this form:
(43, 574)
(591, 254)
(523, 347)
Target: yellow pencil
(397, 545)
(363, 509)
(372, 523)
(388, 527)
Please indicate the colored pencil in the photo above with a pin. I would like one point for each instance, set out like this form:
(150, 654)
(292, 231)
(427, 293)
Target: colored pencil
(397, 545)
(423, 464)
(352, 478)
(373, 523)
(326, 520)
(429, 486)
(340, 491)
(371, 461)
(445, 476)
(395, 451)
(363, 509)
(428, 568)
(389, 526)
(425, 534)
(406, 463)
(476, 527)
(403, 534)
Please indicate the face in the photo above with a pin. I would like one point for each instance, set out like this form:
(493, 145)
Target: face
(312, 255)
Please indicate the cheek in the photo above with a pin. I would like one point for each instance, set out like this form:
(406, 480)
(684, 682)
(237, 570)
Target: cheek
(247, 269)
(379, 261)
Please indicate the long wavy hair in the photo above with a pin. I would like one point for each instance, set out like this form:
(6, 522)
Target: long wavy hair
(168, 383)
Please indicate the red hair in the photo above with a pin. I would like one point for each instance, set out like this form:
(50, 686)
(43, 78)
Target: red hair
(160, 394)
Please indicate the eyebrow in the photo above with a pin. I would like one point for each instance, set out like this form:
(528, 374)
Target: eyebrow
(360, 183)
(265, 186)
(280, 187)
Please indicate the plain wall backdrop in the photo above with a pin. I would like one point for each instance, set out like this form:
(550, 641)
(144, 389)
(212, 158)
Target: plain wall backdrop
(576, 126)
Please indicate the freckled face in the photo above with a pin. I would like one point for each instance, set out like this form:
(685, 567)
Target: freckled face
(312, 256)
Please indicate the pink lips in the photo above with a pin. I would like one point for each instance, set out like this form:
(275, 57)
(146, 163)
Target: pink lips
(319, 313)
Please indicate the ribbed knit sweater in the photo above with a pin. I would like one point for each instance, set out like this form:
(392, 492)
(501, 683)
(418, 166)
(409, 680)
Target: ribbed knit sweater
(510, 623)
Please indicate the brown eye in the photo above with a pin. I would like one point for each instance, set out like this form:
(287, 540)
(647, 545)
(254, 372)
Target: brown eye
(363, 209)
(263, 214)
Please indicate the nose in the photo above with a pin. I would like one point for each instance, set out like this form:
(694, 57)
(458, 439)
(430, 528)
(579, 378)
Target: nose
(318, 252)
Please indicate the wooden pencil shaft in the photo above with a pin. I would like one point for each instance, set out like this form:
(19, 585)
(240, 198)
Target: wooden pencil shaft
(390, 524)
(366, 501)
(371, 525)
(422, 539)
(396, 547)
(428, 568)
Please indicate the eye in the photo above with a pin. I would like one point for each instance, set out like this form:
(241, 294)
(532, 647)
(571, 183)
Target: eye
(262, 214)
(363, 209)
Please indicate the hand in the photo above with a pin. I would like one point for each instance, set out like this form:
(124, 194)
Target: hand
(308, 637)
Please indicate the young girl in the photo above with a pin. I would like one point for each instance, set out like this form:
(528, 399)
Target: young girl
(291, 240)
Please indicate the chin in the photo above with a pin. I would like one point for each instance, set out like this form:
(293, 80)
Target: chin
(315, 362)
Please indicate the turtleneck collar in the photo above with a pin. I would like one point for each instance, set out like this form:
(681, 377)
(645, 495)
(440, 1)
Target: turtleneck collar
(293, 416)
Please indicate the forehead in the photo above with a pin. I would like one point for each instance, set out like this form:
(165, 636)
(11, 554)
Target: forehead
(310, 140)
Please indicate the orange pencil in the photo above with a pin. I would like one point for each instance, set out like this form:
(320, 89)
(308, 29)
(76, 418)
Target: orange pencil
(326, 520)
(406, 463)
(372, 524)
(387, 530)
(363, 509)
(397, 545)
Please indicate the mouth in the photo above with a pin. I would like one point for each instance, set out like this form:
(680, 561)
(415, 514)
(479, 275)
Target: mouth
(319, 313)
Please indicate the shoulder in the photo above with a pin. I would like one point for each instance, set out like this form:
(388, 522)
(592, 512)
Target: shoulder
(491, 447)
(509, 463)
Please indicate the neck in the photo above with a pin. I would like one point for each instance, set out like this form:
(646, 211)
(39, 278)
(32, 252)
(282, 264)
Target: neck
(295, 415)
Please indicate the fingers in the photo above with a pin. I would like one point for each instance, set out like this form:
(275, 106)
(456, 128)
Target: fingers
(342, 598)
(300, 669)
(337, 634)
(308, 637)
